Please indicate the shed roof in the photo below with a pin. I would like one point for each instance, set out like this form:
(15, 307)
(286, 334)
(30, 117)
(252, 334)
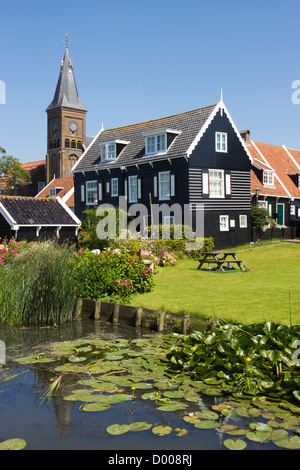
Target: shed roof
(31, 211)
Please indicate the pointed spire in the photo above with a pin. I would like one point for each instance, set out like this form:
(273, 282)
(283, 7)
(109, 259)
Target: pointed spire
(66, 93)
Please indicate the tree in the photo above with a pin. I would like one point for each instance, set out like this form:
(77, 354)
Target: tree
(11, 171)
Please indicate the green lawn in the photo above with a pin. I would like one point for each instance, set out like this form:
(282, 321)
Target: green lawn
(268, 292)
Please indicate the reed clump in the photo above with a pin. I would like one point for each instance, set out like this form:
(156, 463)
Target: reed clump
(39, 287)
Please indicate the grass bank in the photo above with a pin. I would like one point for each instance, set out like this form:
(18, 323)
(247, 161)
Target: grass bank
(268, 292)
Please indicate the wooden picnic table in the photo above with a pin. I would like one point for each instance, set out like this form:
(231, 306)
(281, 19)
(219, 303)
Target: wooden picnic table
(219, 258)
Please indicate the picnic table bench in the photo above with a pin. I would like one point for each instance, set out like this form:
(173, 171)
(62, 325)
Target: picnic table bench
(219, 258)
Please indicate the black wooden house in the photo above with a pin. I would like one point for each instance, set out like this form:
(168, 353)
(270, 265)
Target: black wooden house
(195, 159)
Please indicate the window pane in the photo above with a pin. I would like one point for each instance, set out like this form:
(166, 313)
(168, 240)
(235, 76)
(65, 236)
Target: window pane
(161, 143)
(150, 145)
(133, 189)
(111, 152)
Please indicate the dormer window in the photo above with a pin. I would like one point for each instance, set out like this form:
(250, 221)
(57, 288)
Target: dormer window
(108, 152)
(156, 144)
(111, 150)
(268, 178)
(54, 191)
(159, 141)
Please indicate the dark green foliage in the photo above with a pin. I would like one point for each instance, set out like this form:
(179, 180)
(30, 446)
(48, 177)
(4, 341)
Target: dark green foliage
(246, 360)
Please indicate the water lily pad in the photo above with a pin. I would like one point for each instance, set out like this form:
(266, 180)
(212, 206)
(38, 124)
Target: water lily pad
(142, 385)
(151, 396)
(162, 430)
(191, 419)
(13, 444)
(292, 442)
(41, 359)
(117, 429)
(173, 406)
(206, 414)
(279, 434)
(77, 358)
(95, 407)
(80, 395)
(261, 427)
(140, 426)
(181, 432)
(175, 394)
(231, 444)
(259, 436)
(206, 424)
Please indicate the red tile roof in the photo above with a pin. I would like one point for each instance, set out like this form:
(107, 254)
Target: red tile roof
(66, 184)
(284, 163)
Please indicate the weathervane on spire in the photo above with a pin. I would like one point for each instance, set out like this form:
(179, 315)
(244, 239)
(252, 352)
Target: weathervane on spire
(67, 35)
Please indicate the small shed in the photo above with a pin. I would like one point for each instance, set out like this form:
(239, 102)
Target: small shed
(32, 219)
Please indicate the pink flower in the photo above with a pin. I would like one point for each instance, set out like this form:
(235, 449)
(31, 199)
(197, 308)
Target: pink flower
(144, 272)
(130, 260)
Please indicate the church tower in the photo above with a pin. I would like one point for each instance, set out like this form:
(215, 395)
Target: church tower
(66, 125)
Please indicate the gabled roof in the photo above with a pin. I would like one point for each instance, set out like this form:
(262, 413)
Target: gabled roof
(66, 93)
(30, 211)
(283, 162)
(32, 167)
(66, 193)
(189, 128)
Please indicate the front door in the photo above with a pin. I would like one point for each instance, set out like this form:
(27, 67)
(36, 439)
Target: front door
(280, 214)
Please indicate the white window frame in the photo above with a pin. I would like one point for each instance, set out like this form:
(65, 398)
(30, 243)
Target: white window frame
(41, 186)
(212, 184)
(243, 221)
(91, 192)
(114, 187)
(155, 144)
(133, 185)
(268, 178)
(108, 152)
(224, 223)
(292, 209)
(221, 142)
(263, 204)
(169, 220)
(164, 196)
(52, 192)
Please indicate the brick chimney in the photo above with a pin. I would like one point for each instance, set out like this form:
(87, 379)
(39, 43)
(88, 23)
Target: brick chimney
(246, 136)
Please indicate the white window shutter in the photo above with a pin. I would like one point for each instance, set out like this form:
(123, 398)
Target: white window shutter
(139, 188)
(172, 185)
(228, 184)
(205, 183)
(100, 195)
(82, 189)
(125, 188)
(107, 187)
(155, 186)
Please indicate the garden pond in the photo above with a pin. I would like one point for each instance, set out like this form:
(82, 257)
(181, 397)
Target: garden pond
(92, 385)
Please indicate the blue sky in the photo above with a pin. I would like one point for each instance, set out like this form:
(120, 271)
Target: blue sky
(137, 60)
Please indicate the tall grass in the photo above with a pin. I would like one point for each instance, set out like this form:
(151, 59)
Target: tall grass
(38, 286)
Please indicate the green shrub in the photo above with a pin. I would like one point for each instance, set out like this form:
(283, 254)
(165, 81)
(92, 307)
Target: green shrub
(112, 274)
(259, 217)
(87, 236)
